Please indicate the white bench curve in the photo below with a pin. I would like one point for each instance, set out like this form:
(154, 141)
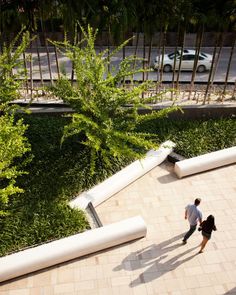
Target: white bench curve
(65, 249)
(91, 241)
(124, 177)
(205, 162)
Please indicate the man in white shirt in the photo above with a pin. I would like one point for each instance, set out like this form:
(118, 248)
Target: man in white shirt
(194, 215)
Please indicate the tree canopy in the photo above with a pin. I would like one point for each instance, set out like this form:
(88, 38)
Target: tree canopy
(116, 16)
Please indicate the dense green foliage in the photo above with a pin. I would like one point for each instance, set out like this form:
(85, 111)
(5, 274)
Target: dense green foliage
(57, 174)
(41, 213)
(13, 143)
(194, 138)
(98, 98)
(119, 17)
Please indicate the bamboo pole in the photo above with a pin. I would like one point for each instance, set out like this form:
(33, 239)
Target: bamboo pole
(144, 56)
(47, 50)
(198, 45)
(31, 72)
(75, 40)
(162, 57)
(57, 63)
(221, 41)
(26, 73)
(228, 68)
(135, 56)
(158, 54)
(181, 57)
(174, 67)
(149, 55)
(211, 70)
(39, 63)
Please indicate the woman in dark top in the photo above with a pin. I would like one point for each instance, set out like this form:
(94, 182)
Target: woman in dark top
(207, 226)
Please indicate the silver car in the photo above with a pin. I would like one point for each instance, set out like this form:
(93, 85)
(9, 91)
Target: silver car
(187, 63)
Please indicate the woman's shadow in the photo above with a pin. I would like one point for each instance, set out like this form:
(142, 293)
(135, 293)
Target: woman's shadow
(151, 258)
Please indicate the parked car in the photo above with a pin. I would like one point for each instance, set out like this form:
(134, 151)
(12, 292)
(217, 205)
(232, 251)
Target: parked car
(187, 63)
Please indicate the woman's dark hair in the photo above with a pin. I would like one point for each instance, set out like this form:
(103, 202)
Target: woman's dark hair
(210, 220)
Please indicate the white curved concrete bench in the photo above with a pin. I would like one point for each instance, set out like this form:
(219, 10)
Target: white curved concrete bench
(33, 259)
(205, 162)
(121, 179)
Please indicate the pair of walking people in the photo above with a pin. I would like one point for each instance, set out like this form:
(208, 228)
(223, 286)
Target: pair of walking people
(194, 215)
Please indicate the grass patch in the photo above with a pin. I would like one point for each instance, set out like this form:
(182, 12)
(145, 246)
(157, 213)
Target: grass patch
(57, 173)
(194, 138)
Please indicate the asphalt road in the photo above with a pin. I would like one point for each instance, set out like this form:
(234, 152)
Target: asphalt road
(42, 59)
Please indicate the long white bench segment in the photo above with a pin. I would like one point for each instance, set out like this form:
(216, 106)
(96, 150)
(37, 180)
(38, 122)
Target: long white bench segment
(65, 249)
(205, 162)
(124, 177)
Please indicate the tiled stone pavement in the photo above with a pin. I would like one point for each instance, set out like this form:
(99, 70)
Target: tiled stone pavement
(159, 263)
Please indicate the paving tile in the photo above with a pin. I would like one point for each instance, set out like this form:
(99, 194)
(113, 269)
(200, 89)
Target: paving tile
(63, 288)
(42, 278)
(65, 275)
(19, 292)
(219, 289)
(158, 263)
(85, 285)
(36, 291)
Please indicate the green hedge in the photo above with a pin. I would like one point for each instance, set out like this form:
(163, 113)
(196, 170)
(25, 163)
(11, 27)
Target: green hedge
(194, 138)
(57, 173)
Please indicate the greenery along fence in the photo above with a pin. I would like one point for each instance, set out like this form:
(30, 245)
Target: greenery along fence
(155, 24)
(44, 66)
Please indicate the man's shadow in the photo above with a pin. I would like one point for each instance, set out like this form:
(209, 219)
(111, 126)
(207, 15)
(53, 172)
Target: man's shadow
(151, 257)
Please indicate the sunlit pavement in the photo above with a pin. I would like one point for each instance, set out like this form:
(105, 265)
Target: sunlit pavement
(159, 263)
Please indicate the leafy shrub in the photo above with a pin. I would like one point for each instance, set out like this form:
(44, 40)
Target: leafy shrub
(104, 125)
(13, 143)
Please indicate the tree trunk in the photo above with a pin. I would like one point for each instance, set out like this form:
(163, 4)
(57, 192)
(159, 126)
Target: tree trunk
(158, 54)
(149, 56)
(123, 52)
(135, 50)
(47, 51)
(39, 62)
(181, 56)
(211, 69)
(162, 55)
(135, 56)
(75, 40)
(198, 45)
(221, 41)
(26, 73)
(57, 63)
(108, 48)
(174, 67)
(144, 56)
(31, 72)
(228, 69)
